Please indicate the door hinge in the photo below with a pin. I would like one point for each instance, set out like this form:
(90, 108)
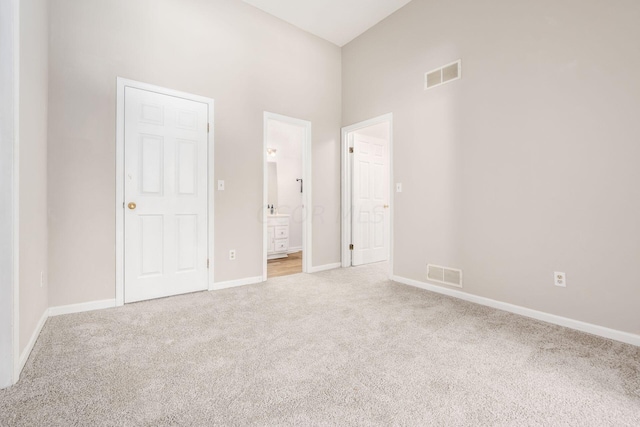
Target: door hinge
(207, 262)
(350, 150)
(207, 127)
(351, 247)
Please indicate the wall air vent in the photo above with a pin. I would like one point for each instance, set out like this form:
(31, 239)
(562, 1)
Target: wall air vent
(442, 75)
(446, 275)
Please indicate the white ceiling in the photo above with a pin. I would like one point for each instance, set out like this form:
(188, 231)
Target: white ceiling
(338, 21)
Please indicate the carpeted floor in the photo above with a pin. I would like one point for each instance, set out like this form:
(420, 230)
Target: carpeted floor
(343, 347)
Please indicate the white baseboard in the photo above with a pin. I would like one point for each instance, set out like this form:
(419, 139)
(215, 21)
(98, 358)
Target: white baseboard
(235, 283)
(294, 250)
(82, 307)
(24, 356)
(578, 325)
(325, 267)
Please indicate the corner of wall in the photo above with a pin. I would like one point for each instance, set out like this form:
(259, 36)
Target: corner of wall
(31, 175)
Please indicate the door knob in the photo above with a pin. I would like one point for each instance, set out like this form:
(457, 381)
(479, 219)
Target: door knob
(386, 206)
(132, 206)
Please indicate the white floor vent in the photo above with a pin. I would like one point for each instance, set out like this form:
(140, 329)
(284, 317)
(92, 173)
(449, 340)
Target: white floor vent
(442, 75)
(446, 275)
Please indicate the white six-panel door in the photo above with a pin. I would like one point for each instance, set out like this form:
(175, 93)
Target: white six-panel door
(370, 215)
(165, 189)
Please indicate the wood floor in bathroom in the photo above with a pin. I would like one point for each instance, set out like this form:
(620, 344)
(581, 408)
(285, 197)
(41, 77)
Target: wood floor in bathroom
(285, 266)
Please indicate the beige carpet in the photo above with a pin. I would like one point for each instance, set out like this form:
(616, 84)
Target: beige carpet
(343, 347)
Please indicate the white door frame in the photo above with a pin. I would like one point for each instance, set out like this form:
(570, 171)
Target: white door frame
(346, 186)
(120, 202)
(9, 192)
(307, 209)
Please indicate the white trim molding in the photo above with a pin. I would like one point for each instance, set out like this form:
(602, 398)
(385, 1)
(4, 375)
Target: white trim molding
(82, 307)
(346, 171)
(9, 191)
(16, 194)
(325, 267)
(121, 84)
(578, 325)
(32, 342)
(307, 210)
(238, 282)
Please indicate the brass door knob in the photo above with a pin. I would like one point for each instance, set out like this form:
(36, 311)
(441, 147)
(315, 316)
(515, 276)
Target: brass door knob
(386, 206)
(132, 206)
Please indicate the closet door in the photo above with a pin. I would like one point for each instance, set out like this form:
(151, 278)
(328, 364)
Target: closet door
(165, 187)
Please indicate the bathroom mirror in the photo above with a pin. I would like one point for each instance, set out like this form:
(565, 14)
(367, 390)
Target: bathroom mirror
(272, 173)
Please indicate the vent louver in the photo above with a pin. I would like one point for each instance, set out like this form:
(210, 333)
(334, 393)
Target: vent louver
(442, 75)
(446, 275)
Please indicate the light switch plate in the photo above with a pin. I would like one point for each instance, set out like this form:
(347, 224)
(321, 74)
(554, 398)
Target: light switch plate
(399, 187)
(220, 185)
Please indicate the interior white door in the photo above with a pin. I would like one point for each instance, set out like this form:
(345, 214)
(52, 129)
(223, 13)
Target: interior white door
(370, 210)
(165, 188)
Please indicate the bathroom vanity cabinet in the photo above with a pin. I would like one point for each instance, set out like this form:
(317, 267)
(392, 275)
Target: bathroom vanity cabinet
(277, 236)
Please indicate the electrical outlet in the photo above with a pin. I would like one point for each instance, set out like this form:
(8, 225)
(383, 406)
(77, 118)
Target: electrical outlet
(220, 185)
(560, 279)
(399, 187)
(232, 254)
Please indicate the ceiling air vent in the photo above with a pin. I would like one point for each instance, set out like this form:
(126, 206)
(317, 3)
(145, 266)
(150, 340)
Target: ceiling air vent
(442, 75)
(446, 275)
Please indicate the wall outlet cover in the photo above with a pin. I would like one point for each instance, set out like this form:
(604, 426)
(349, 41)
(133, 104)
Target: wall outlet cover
(560, 279)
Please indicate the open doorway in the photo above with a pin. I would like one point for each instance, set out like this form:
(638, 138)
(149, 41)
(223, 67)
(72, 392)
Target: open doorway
(287, 194)
(367, 204)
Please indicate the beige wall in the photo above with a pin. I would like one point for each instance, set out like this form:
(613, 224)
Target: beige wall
(33, 165)
(529, 163)
(244, 59)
